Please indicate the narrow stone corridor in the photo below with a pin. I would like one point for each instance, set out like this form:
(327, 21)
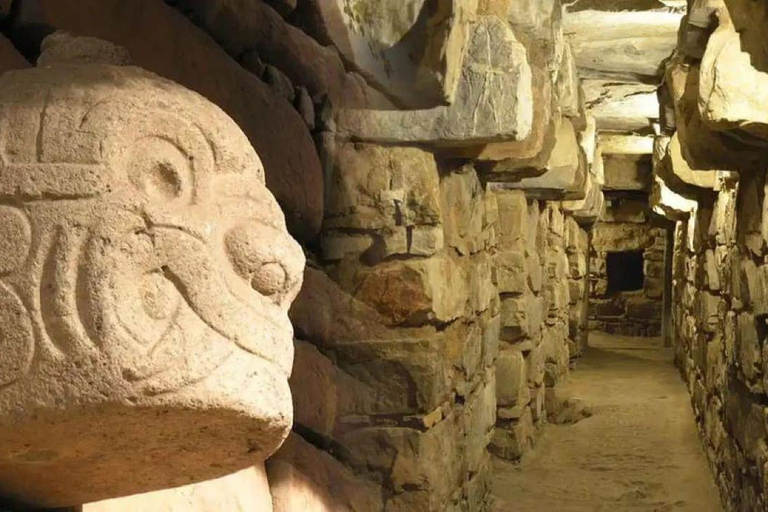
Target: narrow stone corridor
(383, 255)
(639, 449)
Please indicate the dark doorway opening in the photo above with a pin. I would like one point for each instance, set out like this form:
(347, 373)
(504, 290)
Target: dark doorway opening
(625, 271)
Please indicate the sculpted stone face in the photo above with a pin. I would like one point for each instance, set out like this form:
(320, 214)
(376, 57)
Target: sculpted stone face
(145, 277)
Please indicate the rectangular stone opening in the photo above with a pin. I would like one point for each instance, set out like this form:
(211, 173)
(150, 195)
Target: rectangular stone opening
(625, 271)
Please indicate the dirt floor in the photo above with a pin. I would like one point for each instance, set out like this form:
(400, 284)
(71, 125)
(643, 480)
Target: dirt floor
(638, 451)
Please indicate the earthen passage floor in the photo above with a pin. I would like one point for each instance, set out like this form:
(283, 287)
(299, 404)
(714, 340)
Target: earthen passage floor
(639, 450)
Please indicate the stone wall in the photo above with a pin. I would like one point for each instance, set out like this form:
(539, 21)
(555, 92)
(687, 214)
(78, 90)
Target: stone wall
(443, 191)
(405, 316)
(711, 182)
(626, 227)
(541, 275)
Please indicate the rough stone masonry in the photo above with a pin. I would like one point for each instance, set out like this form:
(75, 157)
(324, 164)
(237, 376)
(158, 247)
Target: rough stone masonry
(460, 175)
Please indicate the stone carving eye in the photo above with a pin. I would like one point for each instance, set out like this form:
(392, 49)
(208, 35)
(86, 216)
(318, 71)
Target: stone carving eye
(160, 170)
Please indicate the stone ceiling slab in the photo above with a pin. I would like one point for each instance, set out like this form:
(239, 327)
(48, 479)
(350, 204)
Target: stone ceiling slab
(624, 106)
(622, 45)
(622, 144)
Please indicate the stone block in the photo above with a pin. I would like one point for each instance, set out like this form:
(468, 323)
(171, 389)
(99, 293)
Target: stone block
(627, 172)
(513, 217)
(748, 347)
(521, 317)
(314, 390)
(642, 308)
(621, 237)
(627, 211)
(562, 171)
(511, 272)
(732, 88)
(413, 52)
(425, 240)
(577, 264)
(653, 288)
(301, 477)
(413, 374)
(374, 187)
(513, 441)
(412, 292)
(463, 205)
(411, 460)
(493, 99)
(556, 355)
(535, 277)
(328, 316)
(511, 378)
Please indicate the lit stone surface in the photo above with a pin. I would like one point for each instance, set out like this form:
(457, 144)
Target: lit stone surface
(493, 100)
(145, 283)
(244, 491)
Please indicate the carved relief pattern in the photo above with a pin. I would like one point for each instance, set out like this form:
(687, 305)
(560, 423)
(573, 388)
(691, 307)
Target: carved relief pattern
(164, 243)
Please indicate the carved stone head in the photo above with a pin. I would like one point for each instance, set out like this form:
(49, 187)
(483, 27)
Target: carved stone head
(145, 278)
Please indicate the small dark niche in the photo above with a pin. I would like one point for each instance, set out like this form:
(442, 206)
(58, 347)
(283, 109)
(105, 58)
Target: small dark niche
(625, 271)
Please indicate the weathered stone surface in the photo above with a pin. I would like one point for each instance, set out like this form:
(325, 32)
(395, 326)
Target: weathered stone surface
(513, 217)
(464, 209)
(191, 58)
(627, 210)
(563, 156)
(702, 147)
(150, 326)
(621, 237)
(512, 443)
(521, 317)
(683, 172)
(622, 144)
(588, 210)
(565, 169)
(511, 379)
(63, 48)
(733, 92)
(313, 383)
(627, 172)
(624, 106)
(493, 100)
(626, 45)
(327, 316)
(665, 201)
(373, 187)
(511, 272)
(247, 28)
(567, 85)
(542, 134)
(413, 51)
(239, 492)
(304, 478)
